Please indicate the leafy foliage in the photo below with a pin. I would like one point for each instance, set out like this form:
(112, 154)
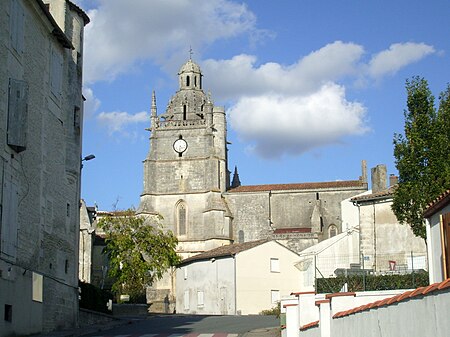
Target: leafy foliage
(94, 298)
(372, 282)
(421, 154)
(140, 251)
(274, 311)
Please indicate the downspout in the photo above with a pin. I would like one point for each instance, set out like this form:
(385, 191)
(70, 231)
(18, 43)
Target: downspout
(361, 255)
(374, 237)
(235, 285)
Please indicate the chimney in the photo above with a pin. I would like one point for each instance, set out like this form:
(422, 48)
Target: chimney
(393, 180)
(379, 178)
(363, 177)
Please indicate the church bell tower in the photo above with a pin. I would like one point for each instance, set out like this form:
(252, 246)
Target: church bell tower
(185, 172)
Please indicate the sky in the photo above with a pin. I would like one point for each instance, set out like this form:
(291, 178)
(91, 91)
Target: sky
(310, 88)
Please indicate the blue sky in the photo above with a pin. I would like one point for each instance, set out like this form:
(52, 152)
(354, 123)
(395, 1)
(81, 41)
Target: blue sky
(310, 88)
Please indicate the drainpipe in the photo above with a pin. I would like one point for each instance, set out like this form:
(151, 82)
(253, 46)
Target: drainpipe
(235, 285)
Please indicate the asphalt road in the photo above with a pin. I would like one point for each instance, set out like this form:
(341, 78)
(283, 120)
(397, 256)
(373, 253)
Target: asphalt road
(189, 324)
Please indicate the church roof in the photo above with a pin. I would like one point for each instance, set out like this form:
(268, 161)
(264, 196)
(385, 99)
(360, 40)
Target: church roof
(300, 186)
(190, 67)
(224, 251)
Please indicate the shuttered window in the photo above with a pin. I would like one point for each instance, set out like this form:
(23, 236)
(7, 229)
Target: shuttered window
(17, 19)
(10, 199)
(17, 114)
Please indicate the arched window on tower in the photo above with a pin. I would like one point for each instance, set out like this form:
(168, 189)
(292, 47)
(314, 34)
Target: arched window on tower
(188, 80)
(184, 112)
(195, 81)
(181, 218)
(332, 231)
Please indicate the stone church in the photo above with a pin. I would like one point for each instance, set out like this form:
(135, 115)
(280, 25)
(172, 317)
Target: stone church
(187, 182)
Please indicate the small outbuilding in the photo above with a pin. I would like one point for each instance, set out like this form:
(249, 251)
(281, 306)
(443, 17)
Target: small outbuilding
(243, 278)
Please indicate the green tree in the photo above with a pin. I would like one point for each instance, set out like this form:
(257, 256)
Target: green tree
(139, 251)
(421, 154)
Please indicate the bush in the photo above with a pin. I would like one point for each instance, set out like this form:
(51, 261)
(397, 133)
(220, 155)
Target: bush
(275, 311)
(372, 282)
(94, 298)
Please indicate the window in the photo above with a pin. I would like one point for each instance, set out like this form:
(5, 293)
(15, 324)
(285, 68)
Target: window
(10, 199)
(77, 120)
(274, 265)
(274, 296)
(186, 300)
(181, 218)
(200, 299)
(16, 26)
(37, 287)
(8, 313)
(241, 236)
(56, 72)
(188, 80)
(17, 115)
(332, 231)
(184, 112)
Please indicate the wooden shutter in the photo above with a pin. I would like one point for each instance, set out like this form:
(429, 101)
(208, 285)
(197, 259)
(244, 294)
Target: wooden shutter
(17, 114)
(446, 244)
(10, 199)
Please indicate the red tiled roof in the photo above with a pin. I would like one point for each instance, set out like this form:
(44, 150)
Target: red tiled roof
(422, 291)
(437, 204)
(299, 186)
(387, 193)
(227, 250)
(309, 326)
(292, 230)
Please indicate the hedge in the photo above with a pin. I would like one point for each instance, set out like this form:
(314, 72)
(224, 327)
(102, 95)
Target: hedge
(372, 282)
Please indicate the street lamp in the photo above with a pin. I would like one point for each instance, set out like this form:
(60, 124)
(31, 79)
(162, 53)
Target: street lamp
(88, 157)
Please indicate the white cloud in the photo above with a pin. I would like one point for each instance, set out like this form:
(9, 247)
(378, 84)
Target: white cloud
(279, 125)
(290, 109)
(396, 57)
(121, 34)
(91, 104)
(241, 76)
(117, 121)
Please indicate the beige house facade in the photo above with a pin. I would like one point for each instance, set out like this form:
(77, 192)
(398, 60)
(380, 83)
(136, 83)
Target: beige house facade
(240, 279)
(41, 109)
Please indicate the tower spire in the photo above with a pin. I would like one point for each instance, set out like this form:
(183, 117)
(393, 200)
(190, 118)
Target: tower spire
(153, 108)
(153, 112)
(236, 182)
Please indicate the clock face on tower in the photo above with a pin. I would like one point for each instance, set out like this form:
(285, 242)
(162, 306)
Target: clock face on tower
(180, 145)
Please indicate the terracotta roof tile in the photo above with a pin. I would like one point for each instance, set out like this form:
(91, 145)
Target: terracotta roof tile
(437, 204)
(422, 291)
(445, 284)
(309, 326)
(227, 250)
(387, 193)
(299, 186)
